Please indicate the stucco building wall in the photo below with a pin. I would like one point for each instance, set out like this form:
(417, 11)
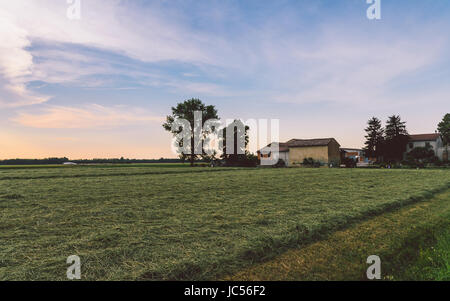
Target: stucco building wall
(334, 153)
(298, 154)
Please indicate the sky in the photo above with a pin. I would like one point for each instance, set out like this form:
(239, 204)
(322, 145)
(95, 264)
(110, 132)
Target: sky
(101, 86)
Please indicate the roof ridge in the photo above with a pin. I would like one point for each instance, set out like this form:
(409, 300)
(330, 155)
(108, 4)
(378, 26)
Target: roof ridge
(424, 137)
(304, 142)
(311, 138)
(424, 134)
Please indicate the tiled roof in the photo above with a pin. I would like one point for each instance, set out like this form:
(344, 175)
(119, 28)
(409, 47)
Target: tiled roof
(424, 137)
(284, 147)
(310, 142)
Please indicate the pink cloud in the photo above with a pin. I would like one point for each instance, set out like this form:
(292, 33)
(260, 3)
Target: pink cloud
(90, 116)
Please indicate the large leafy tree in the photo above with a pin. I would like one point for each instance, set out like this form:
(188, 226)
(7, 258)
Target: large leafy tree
(374, 138)
(396, 138)
(444, 130)
(185, 110)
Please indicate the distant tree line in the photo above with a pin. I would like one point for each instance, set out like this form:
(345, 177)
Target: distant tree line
(50, 161)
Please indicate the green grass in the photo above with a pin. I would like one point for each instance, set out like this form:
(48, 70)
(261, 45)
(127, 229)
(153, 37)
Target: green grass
(47, 172)
(105, 165)
(404, 239)
(176, 223)
(431, 257)
(434, 262)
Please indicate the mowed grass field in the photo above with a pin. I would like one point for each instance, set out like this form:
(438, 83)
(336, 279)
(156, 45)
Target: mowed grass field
(143, 222)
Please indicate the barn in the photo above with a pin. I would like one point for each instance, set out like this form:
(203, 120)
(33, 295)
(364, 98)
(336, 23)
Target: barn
(293, 152)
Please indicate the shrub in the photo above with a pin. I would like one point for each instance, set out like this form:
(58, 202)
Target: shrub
(349, 162)
(419, 156)
(310, 162)
(280, 164)
(247, 160)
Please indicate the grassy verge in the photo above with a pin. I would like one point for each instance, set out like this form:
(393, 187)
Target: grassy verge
(401, 238)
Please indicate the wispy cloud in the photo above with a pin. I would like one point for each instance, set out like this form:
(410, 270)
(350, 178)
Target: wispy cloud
(107, 25)
(361, 71)
(15, 64)
(90, 116)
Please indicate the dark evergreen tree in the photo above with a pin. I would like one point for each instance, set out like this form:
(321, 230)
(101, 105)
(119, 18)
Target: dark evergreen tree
(374, 138)
(396, 138)
(444, 131)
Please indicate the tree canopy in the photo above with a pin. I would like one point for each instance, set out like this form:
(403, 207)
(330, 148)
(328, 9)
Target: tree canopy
(186, 110)
(444, 129)
(374, 138)
(396, 138)
(239, 153)
(421, 154)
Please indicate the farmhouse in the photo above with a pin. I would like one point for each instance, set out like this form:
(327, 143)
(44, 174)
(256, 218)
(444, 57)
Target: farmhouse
(422, 140)
(293, 152)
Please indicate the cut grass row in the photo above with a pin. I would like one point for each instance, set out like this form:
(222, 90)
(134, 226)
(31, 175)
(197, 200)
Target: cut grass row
(99, 171)
(413, 243)
(95, 165)
(187, 226)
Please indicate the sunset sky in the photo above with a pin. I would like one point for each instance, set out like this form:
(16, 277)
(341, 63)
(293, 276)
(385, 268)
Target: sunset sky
(102, 85)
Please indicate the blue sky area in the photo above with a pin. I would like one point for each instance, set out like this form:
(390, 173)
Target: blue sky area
(101, 85)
